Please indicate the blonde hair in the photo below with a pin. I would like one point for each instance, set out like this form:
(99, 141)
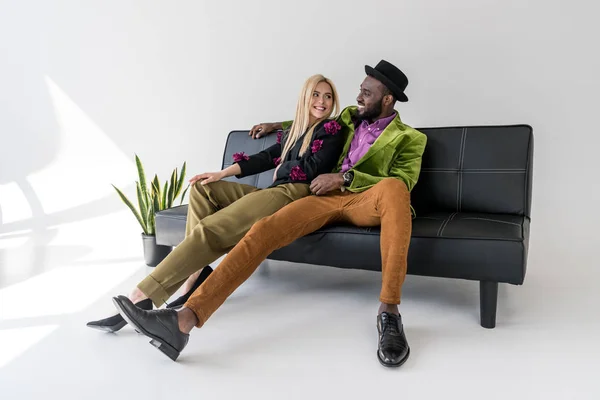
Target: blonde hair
(302, 119)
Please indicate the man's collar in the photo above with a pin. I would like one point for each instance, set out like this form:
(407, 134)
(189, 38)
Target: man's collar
(357, 121)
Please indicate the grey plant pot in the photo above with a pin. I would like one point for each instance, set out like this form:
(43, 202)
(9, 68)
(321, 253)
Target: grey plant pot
(154, 253)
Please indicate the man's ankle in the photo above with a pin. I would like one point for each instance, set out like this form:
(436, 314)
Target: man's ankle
(186, 319)
(389, 308)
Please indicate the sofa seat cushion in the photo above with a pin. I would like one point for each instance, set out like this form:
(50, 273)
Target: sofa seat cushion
(472, 246)
(456, 245)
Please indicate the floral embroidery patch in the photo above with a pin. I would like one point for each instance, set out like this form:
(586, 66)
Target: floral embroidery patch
(296, 174)
(316, 145)
(332, 127)
(237, 157)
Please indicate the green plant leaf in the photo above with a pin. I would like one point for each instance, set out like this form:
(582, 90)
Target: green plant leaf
(142, 203)
(142, 177)
(172, 184)
(183, 195)
(155, 197)
(156, 183)
(132, 208)
(180, 180)
(151, 221)
(165, 192)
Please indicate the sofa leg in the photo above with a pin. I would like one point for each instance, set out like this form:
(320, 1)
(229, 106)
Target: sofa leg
(488, 298)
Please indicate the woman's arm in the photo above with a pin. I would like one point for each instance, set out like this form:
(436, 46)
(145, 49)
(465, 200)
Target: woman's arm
(259, 162)
(245, 165)
(209, 177)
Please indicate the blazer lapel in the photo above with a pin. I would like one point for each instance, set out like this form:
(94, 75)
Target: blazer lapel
(388, 134)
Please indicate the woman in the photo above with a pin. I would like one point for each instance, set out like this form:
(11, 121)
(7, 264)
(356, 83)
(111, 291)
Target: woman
(220, 213)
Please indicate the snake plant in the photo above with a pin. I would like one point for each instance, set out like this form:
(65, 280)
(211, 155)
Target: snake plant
(153, 197)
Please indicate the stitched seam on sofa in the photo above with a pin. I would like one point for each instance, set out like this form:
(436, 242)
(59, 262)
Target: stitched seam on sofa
(477, 172)
(368, 233)
(493, 239)
(451, 218)
(492, 220)
(494, 172)
(445, 223)
(458, 175)
(462, 162)
(509, 170)
(442, 224)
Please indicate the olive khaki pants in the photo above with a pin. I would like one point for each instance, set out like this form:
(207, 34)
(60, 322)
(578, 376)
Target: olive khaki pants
(219, 215)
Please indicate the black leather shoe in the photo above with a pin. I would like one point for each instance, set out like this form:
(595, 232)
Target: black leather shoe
(180, 301)
(159, 325)
(393, 348)
(116, 322)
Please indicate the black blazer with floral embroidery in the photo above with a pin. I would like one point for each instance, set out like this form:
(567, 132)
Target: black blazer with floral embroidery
(321, 157)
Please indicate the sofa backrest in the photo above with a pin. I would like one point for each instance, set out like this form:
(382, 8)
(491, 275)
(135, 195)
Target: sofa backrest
(465, 169)
(484, 169)
(239, 141)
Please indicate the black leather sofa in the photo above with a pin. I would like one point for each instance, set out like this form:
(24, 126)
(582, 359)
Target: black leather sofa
(473, 203)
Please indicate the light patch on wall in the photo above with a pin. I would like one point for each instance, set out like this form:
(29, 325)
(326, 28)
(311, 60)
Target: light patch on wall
(88, 160)
(14, 239)
(13, 203)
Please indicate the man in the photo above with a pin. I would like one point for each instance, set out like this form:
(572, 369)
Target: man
(379, 166)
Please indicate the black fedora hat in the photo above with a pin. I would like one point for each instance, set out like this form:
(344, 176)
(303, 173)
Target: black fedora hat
(391, 77)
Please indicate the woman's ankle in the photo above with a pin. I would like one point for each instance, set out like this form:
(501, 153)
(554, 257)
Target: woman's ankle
(137, 295)
(189, 283)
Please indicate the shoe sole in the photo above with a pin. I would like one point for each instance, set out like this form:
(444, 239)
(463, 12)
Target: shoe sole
(108, 328)
(393, 365)
(157, 342)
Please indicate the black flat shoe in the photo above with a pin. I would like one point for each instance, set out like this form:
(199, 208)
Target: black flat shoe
(393, 350)
(180, 301)
(116, 322)
(161, 326)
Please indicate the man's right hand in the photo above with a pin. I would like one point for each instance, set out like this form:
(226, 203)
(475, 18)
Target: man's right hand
(326, 183)
(264, 129)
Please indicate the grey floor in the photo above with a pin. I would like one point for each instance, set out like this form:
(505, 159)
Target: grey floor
(295, 332)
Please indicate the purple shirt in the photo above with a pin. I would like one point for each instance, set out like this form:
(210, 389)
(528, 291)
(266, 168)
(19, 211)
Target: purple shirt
(364, 136)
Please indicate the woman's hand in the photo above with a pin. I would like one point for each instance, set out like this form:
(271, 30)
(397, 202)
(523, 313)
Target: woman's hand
(275, 173)
(207, 177)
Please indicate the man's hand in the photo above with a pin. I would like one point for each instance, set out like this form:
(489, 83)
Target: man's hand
(263, 129)
(326, 183)
(207, 177)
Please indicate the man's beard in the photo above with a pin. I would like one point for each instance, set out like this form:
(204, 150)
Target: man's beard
(371, 113)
